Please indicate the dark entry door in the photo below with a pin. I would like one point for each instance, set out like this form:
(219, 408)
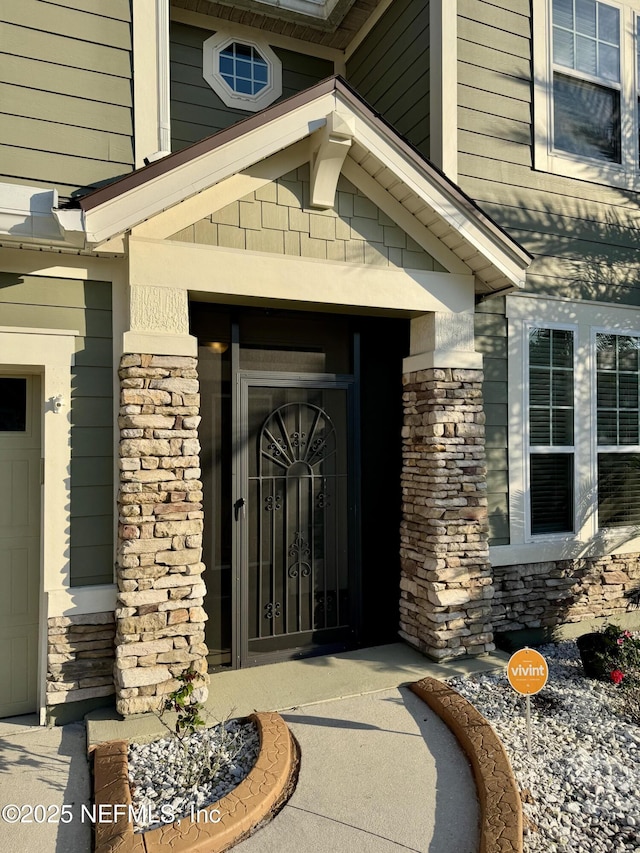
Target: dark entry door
(295, 509)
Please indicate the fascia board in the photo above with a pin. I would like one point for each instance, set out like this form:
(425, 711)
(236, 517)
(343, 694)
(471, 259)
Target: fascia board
(140, 203)
(225, 192)
(499, 253)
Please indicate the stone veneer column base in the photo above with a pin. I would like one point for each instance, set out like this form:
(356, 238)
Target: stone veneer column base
(159, 618)
(446, 585)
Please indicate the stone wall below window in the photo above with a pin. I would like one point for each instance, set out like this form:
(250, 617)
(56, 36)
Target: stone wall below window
(80, 657)
(545, 595)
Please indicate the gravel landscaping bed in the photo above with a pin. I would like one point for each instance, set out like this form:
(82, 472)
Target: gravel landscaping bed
(581, 786)
(173, 779)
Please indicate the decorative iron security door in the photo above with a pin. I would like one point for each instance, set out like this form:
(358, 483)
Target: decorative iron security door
(300, 496)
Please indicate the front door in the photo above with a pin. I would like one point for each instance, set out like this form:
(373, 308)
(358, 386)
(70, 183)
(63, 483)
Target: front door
(19, 542)
(295, 516)
(280, 473)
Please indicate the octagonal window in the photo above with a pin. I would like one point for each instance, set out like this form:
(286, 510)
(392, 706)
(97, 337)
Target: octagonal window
(242, 67)
(243, 74)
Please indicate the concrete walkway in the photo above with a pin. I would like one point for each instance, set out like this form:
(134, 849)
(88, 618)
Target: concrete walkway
(380, 773)
(45, 767)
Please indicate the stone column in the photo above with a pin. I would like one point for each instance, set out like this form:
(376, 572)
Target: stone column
(446, 584)
(160, 617)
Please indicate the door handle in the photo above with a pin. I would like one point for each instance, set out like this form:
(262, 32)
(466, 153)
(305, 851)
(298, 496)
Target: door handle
(238, 508)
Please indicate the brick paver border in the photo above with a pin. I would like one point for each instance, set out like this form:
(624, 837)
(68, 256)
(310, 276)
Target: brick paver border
(500, 805)
(268, 784)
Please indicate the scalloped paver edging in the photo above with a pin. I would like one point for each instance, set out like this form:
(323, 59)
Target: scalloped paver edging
(236, 814)
(500, 805)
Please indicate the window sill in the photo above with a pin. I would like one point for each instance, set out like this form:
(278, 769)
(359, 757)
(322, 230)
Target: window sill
(565, 165)
(622, 540)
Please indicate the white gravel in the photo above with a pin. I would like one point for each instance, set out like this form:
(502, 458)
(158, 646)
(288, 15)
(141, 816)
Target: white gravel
(584, 772)
(170, 780)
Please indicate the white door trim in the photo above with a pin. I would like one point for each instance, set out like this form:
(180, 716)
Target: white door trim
(49, 352)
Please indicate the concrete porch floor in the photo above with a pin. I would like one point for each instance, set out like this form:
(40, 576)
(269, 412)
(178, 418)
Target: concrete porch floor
(294, 684)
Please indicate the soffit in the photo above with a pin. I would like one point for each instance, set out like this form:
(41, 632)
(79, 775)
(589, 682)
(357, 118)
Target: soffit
(336, 34)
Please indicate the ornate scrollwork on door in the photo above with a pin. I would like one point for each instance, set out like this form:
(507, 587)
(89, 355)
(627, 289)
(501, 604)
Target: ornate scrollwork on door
(273, 503)
(301, 553)
(300, 487)
(297, 432)
(272, 610)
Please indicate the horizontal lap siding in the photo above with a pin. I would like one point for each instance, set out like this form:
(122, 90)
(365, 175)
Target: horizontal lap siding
(582, 235)
(38, 302)
(65, 93)
(196, 110)
(394, 53)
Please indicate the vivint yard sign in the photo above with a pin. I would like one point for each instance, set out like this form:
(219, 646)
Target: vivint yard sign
(527, 672)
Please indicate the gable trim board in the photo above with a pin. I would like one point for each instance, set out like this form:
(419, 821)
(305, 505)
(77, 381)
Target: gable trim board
(497, 260)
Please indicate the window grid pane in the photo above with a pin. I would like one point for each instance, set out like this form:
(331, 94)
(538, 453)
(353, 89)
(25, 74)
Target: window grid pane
(551, 479)
(243, 68)
(13, 404)
(586, 37)
(586, 119)
(618, 489)
(550, 388)
(618, 389)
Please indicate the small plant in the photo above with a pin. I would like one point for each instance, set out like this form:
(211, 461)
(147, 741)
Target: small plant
(613, 655)
(620, 656)
(203, 752)
(186, 706)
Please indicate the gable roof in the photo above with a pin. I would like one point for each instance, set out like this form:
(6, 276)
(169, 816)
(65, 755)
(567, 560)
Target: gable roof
(381, 155)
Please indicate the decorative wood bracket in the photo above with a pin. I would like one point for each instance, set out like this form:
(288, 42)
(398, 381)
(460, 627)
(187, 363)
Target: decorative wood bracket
(335, 139)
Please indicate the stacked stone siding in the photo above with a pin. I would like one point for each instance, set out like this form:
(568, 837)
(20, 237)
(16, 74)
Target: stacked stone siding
(446, 587)
(544, 595)
(160, 618)
(80, 657)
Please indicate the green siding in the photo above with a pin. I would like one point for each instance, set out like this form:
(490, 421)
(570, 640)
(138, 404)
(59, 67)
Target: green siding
(66, 93)
(583, 236)
(491, 341)
(39, 302)
(390, 70)
(196, 110)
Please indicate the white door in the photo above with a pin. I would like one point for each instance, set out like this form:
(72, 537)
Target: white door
(20, 453)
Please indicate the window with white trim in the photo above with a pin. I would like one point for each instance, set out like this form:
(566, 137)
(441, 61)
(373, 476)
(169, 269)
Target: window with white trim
(574, 429)
(244, 74)
(618, 426)
(586, 61)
